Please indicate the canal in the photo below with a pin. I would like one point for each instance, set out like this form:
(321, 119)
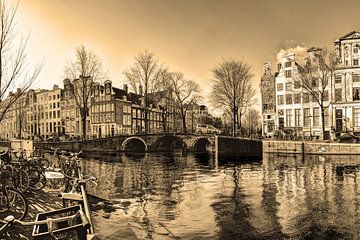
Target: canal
(197, 197)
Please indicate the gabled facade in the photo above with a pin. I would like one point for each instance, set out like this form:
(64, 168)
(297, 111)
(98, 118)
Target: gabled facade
(295, 108)
(346, 85)
(268, 100)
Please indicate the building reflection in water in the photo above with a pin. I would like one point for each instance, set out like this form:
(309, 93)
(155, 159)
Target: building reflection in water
(198, 197)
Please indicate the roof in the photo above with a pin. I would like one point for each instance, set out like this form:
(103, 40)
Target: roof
(119, 93)
(350, 35)
(314, 49)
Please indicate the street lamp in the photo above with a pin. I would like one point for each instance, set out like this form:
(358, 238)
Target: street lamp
(310, 122)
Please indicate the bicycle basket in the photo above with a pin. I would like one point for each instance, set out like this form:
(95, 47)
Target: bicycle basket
(65, 229)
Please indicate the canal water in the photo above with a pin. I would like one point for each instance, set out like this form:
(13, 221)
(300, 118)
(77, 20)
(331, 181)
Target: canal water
(199, 197)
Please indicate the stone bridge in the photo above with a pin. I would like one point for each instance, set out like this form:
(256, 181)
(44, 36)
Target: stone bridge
(140, 143)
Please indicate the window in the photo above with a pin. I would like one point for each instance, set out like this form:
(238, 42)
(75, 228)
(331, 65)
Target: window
(346, 62)
(316, 116)
(356, 94)
(280, 99)
(288, 117)
(289, 98)
(355, 62)
(297, 84)
(288, 64)
(288, 73)
(356, 114)
(280, 86)
(297, 98)
(288, 86)
(107, 89)
(356, 77)
(338, 94)
(338, 78)
(307, 117)
(326, 117)
(297, 117)
(355, 49)
(306, 97)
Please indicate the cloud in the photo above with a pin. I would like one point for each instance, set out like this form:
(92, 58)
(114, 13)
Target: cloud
(292, 47)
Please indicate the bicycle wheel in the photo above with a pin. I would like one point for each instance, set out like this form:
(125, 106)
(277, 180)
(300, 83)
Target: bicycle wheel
(37, 180)
(43, 162)
(20, 180)
(13, 202)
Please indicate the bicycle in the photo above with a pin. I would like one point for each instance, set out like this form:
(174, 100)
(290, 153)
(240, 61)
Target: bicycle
(35, 171)
(19, 178)
(56, 224)
(12, 201)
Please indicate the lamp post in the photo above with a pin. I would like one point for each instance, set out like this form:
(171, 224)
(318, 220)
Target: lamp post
(310, 122)
(108, 125)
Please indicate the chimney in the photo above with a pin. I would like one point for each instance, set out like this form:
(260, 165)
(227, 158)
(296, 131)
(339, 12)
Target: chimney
(125, 87)
(140, 90)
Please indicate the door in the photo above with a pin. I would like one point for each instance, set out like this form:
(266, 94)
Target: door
(339, 119)
(281, 122)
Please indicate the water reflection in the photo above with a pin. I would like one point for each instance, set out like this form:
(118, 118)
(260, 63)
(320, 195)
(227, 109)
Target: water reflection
(316, 197)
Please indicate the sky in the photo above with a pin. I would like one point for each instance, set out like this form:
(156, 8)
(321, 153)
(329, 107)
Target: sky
(191, 36)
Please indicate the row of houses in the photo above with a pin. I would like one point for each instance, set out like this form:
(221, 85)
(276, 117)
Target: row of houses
(286, 105)
(44, 113)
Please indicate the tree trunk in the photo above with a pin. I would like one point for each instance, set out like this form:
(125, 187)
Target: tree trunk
(322, 123)
(234, 122)
(164, 118)
(184, 123)
(20, 130)
(83, 120)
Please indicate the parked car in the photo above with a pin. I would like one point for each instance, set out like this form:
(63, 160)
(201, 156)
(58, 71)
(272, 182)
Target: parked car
(347, 137)
(206, 128)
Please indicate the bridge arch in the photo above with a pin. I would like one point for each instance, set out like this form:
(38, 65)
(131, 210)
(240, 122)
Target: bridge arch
(200, 144)
(169, 143)
(134, 144)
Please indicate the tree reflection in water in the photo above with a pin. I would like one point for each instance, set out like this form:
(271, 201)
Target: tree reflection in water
(196, 197)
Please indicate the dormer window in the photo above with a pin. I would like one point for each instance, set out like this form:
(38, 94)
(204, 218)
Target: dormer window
(288, 64)
(108, 90)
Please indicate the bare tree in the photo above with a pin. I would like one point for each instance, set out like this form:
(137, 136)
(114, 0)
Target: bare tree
(21, 111)
(147, 77)
(315, 77)
(85, 70)
(15, 71)
(231, 88)
(252, 121)
(187, 93)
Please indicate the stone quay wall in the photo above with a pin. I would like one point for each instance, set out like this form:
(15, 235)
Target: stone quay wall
(297, 147)
(238, 147)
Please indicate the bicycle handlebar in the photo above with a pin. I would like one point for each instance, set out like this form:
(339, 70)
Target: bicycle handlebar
(49, 221)
(66, 152)
(80, 181)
